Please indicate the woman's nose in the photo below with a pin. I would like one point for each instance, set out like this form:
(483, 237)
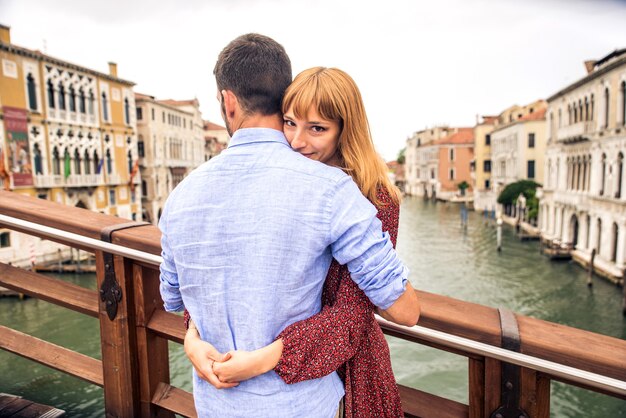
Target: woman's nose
(298, 140)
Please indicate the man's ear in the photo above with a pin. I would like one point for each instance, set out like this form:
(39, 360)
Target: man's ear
(231, 104)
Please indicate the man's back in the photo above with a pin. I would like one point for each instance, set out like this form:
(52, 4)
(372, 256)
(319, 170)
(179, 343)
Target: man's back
(249, 235)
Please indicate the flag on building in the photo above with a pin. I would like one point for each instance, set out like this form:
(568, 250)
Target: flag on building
(99, 169)
(133, 173)
(68, 168)
(4, 174)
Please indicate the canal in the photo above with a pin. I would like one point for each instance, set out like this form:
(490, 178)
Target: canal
(444, 257)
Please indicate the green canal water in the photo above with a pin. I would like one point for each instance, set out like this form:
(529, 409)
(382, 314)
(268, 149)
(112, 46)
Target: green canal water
(443, 257)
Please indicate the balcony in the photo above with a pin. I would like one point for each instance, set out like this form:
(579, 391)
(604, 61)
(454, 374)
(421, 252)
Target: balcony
(84, 180)
(577, 132)
(43, 182)
(114, 179)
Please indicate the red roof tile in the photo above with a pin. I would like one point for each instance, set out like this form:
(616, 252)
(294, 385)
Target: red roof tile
(463, 136)
(539, 114)
(210, 126)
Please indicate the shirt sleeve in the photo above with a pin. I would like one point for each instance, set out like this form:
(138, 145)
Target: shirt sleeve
(170, 292)
(358, 241)
(319, 345)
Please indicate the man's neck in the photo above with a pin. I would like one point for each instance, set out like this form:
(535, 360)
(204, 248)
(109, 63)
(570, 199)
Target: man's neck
(261, 121)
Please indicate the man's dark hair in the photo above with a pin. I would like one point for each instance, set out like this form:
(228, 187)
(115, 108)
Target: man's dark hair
(257, 70)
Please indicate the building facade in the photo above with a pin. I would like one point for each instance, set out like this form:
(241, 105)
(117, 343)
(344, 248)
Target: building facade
(422, 161)
(67, 133)
(216, 139)
(481, 167)
(583, 206)
(455, 154)
(170, 143)
(518, 146)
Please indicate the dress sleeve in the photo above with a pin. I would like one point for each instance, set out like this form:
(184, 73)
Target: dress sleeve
(319, 345)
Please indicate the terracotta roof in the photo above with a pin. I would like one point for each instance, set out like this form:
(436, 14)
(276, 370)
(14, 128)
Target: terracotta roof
(172, 102)
(141, 96)
(539, 114)
(463, 136)
(210, 126)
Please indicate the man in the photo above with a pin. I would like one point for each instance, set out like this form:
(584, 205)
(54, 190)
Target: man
(248, 238)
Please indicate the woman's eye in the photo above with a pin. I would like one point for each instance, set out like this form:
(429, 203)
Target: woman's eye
(289, 122)
(318, 129)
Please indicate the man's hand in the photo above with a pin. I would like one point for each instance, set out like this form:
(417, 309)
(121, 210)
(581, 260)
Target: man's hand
(202, 355)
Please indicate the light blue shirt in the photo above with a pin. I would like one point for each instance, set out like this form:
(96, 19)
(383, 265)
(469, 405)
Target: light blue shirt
(247, 241)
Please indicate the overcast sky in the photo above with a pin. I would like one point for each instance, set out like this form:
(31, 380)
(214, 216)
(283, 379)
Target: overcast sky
(417, 63)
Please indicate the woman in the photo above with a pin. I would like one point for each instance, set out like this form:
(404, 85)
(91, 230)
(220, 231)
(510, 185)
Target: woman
(325, 120)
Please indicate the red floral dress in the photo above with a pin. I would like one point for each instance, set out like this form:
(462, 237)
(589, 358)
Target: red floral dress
(345, 337)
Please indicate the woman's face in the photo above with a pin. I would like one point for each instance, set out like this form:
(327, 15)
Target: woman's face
(314, 137)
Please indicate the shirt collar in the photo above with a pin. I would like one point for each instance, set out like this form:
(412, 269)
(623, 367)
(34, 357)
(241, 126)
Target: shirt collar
(256, 135)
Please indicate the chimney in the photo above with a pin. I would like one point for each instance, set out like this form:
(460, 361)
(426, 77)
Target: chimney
(589, 65)
(5, 34)
(112, 69)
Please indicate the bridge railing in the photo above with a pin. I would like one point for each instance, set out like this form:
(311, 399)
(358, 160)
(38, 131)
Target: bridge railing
(134, 329)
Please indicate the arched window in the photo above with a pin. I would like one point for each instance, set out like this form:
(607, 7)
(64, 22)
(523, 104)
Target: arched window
(620, 167)
(56, 162)
(81, 102)
(51, 101)
(586, 108)
(87, 163)
(578, 173)
(588, 186)
(588, 227)
(602, 174)
(67, 166)
(130, 162)
(615, 233)
(32, 92)
(105, 110)
(109, 162)
(560, 121)
(569, 114)
(61, 97)
(97, 164)
(126, 111)
(592, 108)
(584, 182)
(77, 166)
(92, 99)
(37, 159)
(606, 107)
(575, 112)
(72, 97)
(599, 238)
(580, 111)
(624, 103)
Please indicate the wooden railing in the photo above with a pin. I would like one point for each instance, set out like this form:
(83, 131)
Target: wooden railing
(134, 369)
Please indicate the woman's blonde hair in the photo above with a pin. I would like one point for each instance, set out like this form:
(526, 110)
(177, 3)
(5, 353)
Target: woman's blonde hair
(336, 96)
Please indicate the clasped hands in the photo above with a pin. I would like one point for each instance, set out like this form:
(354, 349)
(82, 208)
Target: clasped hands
(223, 371)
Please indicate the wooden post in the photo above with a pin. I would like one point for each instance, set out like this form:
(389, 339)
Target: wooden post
(476, 388)
(492, 386)
(118, 344)
(590, 274)
(152, 350)
(535, 394)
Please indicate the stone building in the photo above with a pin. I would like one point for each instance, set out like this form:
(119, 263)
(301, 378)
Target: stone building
(170, 143)
(68, 134)
(583, 204)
